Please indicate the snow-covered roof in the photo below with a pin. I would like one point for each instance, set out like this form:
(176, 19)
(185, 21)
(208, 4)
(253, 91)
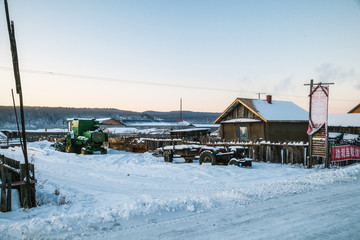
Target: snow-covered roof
(241, 120)
(280, 111)
(344, 120)
(274, 111)
(101, 120)
(159, 124)
(206, 125)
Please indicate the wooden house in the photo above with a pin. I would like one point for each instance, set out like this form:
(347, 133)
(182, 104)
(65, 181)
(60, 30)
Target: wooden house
(356, 109)
(344, 123)
(254, 119)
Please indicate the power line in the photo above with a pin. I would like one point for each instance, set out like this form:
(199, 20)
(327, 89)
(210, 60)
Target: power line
(123, 80)
(69, 75)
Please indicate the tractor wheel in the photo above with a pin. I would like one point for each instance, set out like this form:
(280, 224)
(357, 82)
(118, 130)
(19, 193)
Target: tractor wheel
(70, 148)
(83, 151)
(168, 157)
(207, 157)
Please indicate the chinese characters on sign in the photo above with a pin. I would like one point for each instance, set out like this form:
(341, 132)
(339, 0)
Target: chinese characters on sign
(343, 153)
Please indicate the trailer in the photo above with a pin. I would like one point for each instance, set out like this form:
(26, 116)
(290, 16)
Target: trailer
(207, 154)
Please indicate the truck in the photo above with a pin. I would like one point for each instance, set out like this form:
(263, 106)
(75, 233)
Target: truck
(84, 136)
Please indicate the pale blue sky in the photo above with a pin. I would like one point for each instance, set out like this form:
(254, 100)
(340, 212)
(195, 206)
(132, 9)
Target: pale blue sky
(148, 52)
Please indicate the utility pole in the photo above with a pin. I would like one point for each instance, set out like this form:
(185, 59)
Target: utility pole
(309, 164)
(11, 30)
(181, 117)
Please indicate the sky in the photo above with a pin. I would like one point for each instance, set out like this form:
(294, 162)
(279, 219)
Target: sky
(146, 55)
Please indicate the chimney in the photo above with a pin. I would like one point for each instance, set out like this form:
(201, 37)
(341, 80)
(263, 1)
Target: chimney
(268, 98)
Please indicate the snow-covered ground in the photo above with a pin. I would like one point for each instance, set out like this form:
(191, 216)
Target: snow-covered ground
(138, 196)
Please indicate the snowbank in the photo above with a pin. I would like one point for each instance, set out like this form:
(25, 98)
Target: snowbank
(84, 193)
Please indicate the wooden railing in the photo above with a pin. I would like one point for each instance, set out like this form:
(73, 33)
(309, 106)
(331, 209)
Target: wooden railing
(13, 174)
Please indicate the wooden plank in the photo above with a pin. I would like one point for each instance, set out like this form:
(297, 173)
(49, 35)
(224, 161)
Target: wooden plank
(22, 187)
(3, 190)
(8, 199)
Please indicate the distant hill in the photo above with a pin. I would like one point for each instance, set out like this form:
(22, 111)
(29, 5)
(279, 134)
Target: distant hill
(192, 117)
(55, 117)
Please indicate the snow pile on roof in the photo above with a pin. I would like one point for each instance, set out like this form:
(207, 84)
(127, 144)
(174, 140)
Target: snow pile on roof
(241, 120)
(158, 124)
(122, 130)
(101, 120)
(334, 134)
(344, 120)
(153, 131)
(201, 125)
(348, 136)
(280, 111)
(51, 130)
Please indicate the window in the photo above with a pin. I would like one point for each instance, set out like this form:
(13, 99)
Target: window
(243, 133)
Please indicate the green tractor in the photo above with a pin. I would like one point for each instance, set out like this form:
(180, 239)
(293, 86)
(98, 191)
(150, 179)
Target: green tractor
(84, 136)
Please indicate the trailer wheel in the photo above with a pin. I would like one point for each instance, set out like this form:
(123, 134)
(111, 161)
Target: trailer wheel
(248, 164)
(207, 157)
(234, 162)
(168, 156)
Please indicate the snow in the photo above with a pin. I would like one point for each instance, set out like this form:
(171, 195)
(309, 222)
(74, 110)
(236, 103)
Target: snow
(125, 195)
(51, 130)
(121, 130)
(348, 136)
(101, 120)
(199, 125)
(131, 130)
(344, 120)
(280, 111)
(191, 130)
(2, 137)
(158, 124)
(241, 120)
(334, 134)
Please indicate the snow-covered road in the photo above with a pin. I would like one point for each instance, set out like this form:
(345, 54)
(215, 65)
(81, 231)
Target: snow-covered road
(330, 213)
(138, 196)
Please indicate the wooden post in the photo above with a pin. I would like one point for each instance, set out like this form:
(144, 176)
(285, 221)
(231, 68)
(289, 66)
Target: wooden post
(310, 136)
(8, 199)
(23, 192)
(3, 190)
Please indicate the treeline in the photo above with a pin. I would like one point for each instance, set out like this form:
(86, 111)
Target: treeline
(192, 117)
(55, 117)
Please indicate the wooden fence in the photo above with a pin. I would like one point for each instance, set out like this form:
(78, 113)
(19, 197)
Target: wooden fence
(285, 153)
(13, 174)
